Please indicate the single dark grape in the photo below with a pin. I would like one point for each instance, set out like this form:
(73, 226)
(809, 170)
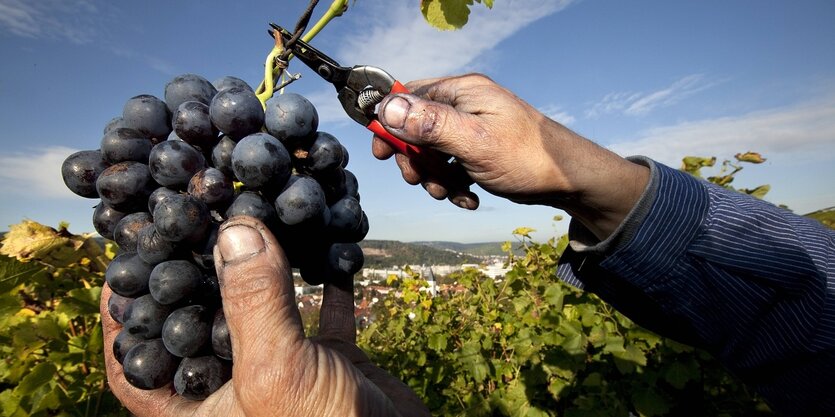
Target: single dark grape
(126, 186)
(345, 156)
(127, 275)
(301, 199)
(125, 144)
(222, 156)
(260, 159)
(149, 366)
(145, 317)
(352, 187)
(199, 377)
(229, 81)
(123, 343)
(188, 330)
(237, 112)
(173, 163)
(291, 118)
(188, 87)
(116, 306)
(333, 184)
(345, 258)
(148, 115)
(192, 124)
(213, 187)
(359, 233)
(105, 219)
(127, 230)
(158, 195)
(173, 281)
(180, 218)
(325, 154)
(252, 204)
(81, 170)
(221, 341)
(152, 248)
(346, 215)
(114, 123)
(315, 273)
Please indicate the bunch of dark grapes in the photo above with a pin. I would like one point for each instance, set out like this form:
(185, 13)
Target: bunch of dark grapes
(168, 173)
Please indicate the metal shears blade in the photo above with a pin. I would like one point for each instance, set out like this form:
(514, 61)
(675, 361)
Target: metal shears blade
(359, 88)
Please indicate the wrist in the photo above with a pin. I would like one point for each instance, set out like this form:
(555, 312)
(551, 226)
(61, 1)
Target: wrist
(595, 186)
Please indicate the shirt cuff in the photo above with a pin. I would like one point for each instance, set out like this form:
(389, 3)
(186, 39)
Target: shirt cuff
(655, 233)
(583, 241)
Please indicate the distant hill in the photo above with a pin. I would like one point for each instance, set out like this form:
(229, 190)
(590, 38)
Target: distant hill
(475, 249)
(387, 253)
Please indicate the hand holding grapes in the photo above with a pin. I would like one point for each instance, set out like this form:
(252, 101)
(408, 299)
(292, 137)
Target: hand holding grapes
(510, 149)
(276, 370)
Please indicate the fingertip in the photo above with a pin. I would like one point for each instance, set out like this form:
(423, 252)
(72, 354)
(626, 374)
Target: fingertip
(409, 172)
(380, 149)
(436, 190)
(465, 199)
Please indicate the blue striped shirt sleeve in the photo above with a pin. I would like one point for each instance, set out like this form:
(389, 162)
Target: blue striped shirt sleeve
(752, 283)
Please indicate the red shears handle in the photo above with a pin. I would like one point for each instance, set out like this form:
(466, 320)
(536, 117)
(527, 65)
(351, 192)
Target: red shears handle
(409, 150)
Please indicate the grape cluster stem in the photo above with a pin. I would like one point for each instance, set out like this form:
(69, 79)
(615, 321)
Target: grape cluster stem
(279, 56)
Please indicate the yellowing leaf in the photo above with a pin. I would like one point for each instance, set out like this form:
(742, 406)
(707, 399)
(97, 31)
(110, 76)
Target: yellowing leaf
(446, 14)
(523, 231)
(758, 192)
(29, 240)
(752, 157)
(693, 164)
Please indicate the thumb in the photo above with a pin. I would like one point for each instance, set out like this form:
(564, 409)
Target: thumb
(257, 288)
(424, 122)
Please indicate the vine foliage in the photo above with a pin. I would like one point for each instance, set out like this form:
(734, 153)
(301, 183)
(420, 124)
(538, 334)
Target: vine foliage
(530, 345)
(50, 327)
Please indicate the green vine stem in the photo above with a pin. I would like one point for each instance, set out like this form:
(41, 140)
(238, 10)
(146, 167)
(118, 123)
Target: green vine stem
(272, 71)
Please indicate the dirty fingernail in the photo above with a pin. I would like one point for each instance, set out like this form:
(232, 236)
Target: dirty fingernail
(395, 112)
(239, 242)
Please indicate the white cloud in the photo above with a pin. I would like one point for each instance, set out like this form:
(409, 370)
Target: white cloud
(401, 42)
(35, 173)
(70, 20)
(806, 131)
(556, 113)
(637, 104)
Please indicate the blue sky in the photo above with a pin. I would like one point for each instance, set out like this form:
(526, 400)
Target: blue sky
(659, 78)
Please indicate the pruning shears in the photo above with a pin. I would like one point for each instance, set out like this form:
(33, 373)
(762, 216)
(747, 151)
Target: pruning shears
(359, 89)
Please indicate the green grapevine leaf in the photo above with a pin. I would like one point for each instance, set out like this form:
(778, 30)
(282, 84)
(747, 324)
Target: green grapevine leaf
(14, 272)
(45, 398)
(649, 402)
(80, 301)
(627, 360)
(437, 341)
(446, 14)
(679, 374)
(10, 404)
(40, 375)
